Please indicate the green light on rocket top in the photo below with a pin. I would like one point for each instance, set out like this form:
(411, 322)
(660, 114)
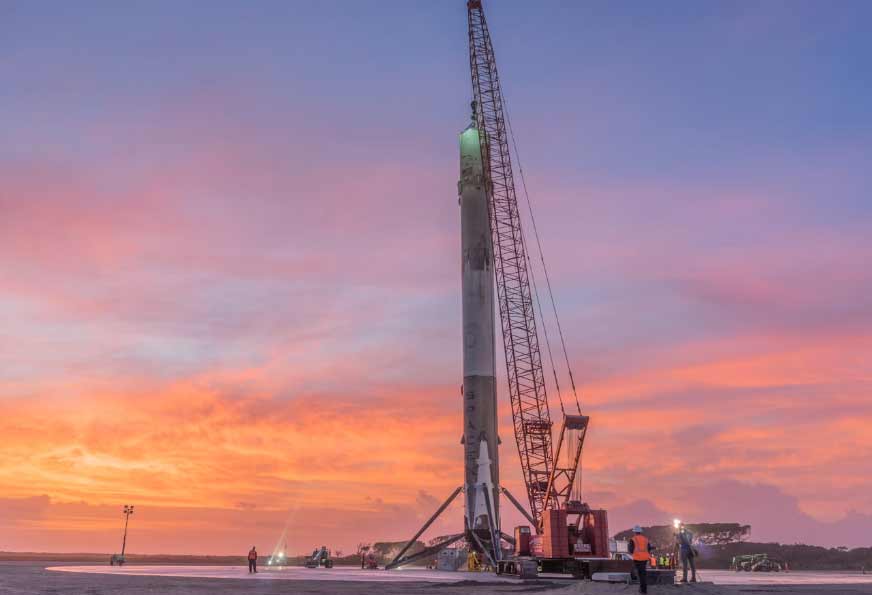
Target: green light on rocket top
(470, 154)
(469, 139)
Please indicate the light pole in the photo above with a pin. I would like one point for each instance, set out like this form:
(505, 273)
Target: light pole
(128, 510)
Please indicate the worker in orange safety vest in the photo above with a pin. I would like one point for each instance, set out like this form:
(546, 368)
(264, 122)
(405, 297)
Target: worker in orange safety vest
(252, 560)
(640, 548)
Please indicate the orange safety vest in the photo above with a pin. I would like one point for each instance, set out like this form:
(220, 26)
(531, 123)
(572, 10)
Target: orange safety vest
(640, 548)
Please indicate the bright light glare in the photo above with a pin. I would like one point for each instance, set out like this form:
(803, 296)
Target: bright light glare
(677, 523)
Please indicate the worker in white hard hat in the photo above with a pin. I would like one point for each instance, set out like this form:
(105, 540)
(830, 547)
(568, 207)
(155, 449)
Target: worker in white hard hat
(640, 548)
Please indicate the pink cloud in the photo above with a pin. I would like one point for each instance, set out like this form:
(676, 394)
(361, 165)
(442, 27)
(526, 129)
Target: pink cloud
(204, 319)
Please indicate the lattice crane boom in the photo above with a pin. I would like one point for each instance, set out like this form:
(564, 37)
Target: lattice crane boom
(526, 379)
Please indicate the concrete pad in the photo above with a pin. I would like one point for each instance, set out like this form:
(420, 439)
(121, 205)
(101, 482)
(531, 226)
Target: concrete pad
(793, 578)
(292, 573)
(32, 578)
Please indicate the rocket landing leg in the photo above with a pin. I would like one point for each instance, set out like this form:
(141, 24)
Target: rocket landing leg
(484, 540)
(399, 559)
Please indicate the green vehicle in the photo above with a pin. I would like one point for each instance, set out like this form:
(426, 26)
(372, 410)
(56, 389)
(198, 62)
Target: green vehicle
(757, 563)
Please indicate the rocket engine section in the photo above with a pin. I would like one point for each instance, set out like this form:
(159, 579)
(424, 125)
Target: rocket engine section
(480, 439)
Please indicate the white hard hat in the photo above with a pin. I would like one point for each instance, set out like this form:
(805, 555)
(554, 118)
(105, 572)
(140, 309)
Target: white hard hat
(637, 529)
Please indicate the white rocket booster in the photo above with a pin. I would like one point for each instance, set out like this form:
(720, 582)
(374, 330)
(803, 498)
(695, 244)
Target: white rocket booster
(479, 384)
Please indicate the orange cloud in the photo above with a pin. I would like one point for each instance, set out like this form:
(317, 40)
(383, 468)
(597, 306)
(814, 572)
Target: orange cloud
(230, 335)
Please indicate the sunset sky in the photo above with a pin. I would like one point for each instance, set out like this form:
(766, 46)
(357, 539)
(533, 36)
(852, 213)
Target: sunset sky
(230, 278)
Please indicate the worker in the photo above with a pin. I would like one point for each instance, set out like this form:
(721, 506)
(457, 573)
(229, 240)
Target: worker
(688, 554)
(640, 548)
(472, 561)
(252, 560)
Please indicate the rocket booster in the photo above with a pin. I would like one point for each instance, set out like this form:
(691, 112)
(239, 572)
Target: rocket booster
(481, 463)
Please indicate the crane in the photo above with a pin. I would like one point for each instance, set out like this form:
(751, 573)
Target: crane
(549, 477)
(548, 483)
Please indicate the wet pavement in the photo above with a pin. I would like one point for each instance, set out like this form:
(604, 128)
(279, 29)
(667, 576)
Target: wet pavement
(291, 573)
(41, 578)
(798, 577)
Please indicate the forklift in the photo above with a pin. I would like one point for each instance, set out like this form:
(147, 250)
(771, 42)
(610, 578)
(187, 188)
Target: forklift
(320, 559)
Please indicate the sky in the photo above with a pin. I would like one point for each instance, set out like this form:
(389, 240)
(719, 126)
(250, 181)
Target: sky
(229, 273)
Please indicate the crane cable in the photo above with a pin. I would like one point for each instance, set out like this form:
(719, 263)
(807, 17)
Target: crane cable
(536, 298)
(532, 273)
(544, 267)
